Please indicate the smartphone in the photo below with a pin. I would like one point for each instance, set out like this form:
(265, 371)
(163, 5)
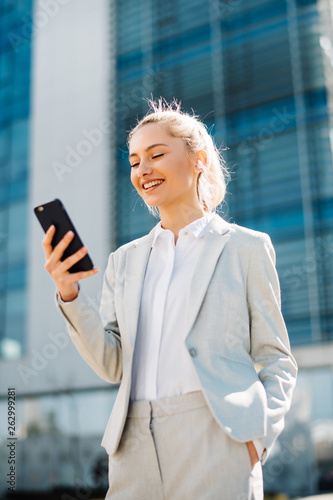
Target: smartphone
(54, 213)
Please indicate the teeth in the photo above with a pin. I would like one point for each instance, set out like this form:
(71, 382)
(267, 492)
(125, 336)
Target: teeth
(151, 184)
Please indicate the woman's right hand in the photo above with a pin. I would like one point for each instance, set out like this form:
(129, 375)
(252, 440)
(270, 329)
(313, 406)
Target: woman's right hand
(67, 283)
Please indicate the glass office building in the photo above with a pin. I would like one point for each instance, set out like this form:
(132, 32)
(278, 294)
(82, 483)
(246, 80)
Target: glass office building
(15, 63)
(259, 74)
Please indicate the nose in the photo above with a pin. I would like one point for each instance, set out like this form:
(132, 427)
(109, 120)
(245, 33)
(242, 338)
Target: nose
(143, 168)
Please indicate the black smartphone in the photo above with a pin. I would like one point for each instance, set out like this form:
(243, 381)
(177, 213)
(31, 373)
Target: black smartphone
(54, 213)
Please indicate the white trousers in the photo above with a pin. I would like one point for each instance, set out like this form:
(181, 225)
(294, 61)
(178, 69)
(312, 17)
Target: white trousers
(174, 449)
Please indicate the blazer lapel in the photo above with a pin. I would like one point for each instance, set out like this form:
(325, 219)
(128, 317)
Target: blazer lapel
(215, 239)
(218, 233)
(135, 269)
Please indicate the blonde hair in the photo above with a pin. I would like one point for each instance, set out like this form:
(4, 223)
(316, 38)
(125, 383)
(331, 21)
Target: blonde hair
(212, 180)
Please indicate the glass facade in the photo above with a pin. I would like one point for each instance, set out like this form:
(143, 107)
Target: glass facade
(58, 442)
(15, 63)
(258, 73)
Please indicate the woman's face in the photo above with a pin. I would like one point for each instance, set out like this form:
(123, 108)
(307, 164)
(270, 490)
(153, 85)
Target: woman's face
(162, 171)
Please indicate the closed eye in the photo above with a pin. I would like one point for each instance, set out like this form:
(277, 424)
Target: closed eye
(133, 165)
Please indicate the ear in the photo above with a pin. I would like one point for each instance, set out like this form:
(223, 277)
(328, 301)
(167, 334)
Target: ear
(201, 161)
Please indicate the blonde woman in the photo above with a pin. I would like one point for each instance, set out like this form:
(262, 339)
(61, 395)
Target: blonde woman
(189, 324)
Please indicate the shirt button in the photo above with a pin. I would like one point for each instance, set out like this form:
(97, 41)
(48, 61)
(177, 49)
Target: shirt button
(193, 352)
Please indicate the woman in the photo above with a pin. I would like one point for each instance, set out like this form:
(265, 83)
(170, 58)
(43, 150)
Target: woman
(189, 324)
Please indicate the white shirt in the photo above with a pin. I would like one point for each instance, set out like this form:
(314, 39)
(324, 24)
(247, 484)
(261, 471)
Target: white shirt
(162, 366)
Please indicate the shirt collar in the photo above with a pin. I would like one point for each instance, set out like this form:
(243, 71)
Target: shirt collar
(197, 228)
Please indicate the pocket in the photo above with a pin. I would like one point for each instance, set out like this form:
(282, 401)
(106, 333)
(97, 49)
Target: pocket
(238, 359)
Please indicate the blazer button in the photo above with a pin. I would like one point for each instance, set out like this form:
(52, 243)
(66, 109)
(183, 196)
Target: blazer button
(193, 352)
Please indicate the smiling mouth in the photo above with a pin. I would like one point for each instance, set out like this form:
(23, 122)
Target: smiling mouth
(151, 184)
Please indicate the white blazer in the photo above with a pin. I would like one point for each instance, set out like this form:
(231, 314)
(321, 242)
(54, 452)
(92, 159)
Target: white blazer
(235, 333)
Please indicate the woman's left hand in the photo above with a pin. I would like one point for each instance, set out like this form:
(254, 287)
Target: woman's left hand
(253, 453)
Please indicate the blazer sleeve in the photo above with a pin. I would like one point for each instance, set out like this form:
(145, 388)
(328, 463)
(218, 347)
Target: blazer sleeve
(270, 347)
(95, 331)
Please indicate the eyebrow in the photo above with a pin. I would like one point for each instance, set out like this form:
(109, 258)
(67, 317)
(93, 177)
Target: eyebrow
(147, 149)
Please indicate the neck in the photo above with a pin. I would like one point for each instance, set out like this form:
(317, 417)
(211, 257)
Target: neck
(180, 217)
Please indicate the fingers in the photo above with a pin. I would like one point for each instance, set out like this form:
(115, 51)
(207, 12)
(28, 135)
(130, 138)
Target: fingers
(48, 240)
(72, 259)
(62, 245)
(59, 269)
(85, 274)
(59, 249)
(53, 255)
(63, 266)
(69, 278)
